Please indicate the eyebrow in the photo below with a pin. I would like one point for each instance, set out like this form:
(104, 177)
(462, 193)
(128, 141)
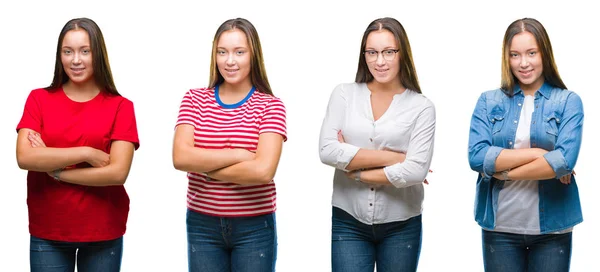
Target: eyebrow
(239, 47)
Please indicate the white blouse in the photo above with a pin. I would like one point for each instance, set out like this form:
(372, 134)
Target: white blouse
(407, 126)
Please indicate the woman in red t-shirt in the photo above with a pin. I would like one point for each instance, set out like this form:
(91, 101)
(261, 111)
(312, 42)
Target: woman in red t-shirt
(76, 139)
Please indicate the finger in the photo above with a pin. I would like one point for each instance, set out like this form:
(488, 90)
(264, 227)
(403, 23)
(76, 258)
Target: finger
(574, 172)
(430, 171)
(426, 182)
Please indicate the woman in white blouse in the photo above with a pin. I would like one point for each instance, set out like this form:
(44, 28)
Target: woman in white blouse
(378, 133)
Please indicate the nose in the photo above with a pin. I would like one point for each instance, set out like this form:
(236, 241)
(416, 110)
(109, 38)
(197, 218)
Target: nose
(76, 58)
(230, 59)
(524, 63)
(380, 60)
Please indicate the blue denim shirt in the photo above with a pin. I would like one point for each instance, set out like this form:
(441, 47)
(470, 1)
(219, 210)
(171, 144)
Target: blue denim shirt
(556, 126)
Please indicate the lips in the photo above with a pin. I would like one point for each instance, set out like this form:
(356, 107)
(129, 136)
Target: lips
(77, 71)
(526, 73)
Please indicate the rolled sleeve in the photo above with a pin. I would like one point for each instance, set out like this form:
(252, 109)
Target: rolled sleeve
(558, 163)
(419, 154)
(331, 151)
(489, 162)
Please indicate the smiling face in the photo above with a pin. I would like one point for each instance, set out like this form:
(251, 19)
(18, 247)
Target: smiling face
(233, 57)
(384, 71)
(76, 56)
(526, 62)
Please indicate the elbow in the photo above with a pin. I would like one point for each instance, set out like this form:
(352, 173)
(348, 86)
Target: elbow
(178, 160)
(265, 175)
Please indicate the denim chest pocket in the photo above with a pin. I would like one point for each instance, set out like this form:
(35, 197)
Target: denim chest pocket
(551, 123)
(496, 117)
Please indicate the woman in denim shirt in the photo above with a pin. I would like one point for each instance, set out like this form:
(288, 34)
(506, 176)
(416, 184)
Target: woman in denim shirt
(524, 142)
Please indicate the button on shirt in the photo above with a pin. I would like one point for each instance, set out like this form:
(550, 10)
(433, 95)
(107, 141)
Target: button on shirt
(407, 126)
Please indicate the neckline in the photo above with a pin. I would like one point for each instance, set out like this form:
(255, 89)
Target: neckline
(368, 93)
(235, 105)
(62, 91)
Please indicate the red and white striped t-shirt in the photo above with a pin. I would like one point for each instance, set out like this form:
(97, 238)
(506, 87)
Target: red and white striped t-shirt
(218, 126)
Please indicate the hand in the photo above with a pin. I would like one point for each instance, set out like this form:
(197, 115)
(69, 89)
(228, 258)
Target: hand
(35, 139)
(340, 137)
(425, 181)
(566, 179)
(353, 175)
(97, 157)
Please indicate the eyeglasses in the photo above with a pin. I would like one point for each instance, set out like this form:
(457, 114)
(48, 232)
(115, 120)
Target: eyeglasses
(388, 54)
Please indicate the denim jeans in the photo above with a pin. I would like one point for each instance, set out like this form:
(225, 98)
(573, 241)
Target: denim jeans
(531, 253)
(357, 247)
(57, 256)
(223, 244)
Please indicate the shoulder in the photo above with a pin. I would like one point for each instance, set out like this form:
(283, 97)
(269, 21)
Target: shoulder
(40, 92)
(348, 90)
(267, 99)
(201, 92)
(495, 94)
(419, 99)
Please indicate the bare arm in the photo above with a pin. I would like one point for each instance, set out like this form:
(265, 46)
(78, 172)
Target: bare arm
(187, 157)
(259, 170)
(513, 158)
(115, 173)
(367, 159)
(40, 158)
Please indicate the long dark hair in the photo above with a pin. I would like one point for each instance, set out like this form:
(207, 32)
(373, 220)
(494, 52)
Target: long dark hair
(407, 74)
(258, 74)
(550, 73)
(102, 74)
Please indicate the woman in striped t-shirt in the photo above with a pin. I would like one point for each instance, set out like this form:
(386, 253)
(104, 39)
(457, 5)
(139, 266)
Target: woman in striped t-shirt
(229, 138)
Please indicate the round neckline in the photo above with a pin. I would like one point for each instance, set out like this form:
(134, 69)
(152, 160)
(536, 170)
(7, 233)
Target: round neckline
(235, 105)
(62, 91)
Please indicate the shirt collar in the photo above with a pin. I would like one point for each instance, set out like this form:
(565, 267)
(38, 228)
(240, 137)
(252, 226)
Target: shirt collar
(544, 90)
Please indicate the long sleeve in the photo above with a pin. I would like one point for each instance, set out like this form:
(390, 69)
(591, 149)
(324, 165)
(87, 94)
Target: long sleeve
(415, 167)
(482, 155)
(331, 151)
(568, 141)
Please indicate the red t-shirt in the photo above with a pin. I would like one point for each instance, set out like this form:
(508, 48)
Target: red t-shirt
(68, 212)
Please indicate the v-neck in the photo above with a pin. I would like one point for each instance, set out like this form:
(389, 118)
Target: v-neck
(367, 93)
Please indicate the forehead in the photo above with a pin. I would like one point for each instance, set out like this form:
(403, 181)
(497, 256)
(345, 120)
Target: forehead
(233, 38)
(381, 38)
(523, 41)
(76, 37)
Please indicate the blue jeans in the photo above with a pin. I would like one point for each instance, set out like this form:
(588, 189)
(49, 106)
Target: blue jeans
(531, 253)
(223, 244)
(56, 256)
(357, 247)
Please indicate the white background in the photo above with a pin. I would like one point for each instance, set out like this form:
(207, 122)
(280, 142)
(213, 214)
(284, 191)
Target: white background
(159, 50)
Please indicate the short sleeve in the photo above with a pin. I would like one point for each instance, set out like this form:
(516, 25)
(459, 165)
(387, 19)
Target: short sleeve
(32, 116)
(125, 127)
(186, 111)
(274, 119)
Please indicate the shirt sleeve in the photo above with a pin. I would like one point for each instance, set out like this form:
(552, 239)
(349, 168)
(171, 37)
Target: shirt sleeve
(331, 151)
(482, 155)
(187, 111)
(125, 127)
(32, 117)
(568, 142)
(274, 119)
(415, 167)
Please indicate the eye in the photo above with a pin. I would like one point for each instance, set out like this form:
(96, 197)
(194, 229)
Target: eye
(240, 52)
(221, 52)
(389, 52)
(514, 55)
(370, 52)
(66, 51)
(85, 51)
(532, 53)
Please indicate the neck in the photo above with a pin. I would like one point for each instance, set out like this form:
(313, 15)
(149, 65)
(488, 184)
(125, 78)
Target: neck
(81, 91)
(394, 87)
(530, 89)
(241, 88)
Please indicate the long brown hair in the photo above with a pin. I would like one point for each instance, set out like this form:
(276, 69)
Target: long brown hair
(407, 74)
(102, 74)
(258, 74)
(550, 73)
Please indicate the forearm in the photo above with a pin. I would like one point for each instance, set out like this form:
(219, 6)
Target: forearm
(95, 176)
(513, 158)
(45, 159)
(366, 159)
(201, 160)
(244, 173)
(539, 169)
(374, 176)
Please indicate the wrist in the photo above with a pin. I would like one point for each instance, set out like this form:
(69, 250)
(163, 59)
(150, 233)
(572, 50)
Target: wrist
(357, 175)
(505, 175)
